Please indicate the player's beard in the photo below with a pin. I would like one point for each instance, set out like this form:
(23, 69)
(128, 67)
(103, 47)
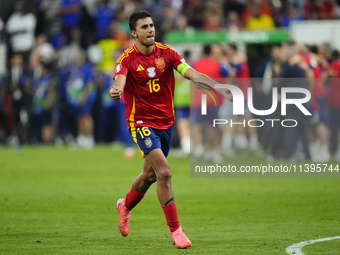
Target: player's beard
(149, 43)
(146, 42)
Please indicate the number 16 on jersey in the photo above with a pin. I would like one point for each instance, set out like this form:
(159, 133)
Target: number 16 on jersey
(153, 85)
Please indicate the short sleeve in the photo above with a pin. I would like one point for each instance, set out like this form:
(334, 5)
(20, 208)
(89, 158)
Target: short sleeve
(122, 65)
(176, 58)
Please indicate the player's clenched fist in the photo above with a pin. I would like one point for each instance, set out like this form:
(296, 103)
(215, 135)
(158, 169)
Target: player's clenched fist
(116, 93)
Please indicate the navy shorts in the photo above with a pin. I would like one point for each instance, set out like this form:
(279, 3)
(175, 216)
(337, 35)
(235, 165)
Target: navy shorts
(43, 118)
(198, 118)
(85, 109)
(182, 113)
(321, 101)
(149, 139)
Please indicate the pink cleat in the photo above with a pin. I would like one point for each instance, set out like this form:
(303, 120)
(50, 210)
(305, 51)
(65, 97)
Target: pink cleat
(180, 239)
(124, 217)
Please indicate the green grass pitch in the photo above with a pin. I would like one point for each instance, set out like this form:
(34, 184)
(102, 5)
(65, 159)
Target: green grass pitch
(62, 201)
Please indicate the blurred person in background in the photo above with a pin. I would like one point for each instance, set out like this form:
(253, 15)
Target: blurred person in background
(3, 49)
(233, 6)
(18, 83)
(194, 11)
(182, 108)
(166, 20)
(44, 66)
(81, 94)
(319, 146)
(259, 20)
(320, 9)
(70, 51)
(333, 104)
(324, 54)
(242, 78)
(70, 12)
(247, 12)
(212, 19)
(42, 50)
(43, 101)
(233, 21)
(21, 28)
(51, 21)
(287, 14)
(210, 66)
(264, 75)
(105, 14)
(266, 7)
(111, 123)
(293, 74)
(109, 46)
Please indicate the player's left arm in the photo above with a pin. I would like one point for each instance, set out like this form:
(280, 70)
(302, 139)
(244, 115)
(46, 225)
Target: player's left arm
(191, 74)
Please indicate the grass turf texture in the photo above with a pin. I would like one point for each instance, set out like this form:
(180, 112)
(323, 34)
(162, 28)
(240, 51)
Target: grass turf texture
(62, 201)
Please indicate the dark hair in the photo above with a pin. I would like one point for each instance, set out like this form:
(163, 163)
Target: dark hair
(233, 46)
(313, 48)
(134, 17)
(47, 64)
(187, 54)
(290, 46)
(207, 49)
(335, 55)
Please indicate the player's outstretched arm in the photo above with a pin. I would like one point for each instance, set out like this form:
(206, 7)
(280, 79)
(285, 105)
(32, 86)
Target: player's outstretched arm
(117, 87)
(192, 74)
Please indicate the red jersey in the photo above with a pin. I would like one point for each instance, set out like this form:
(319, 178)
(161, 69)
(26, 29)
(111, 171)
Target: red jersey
(334, 86)
(213, 69)
(150, 85)
(319, 88)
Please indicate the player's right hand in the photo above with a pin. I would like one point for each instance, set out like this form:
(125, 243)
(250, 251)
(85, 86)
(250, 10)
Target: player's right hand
(226, 93)
(116, 93)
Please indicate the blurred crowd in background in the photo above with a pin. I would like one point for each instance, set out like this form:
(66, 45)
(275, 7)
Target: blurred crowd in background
(315, 137)
(57, 59)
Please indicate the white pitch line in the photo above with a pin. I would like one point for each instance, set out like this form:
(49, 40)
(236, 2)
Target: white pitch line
(295, 249)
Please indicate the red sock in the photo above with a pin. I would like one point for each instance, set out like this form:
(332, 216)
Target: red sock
(171, 217)
(133, 198)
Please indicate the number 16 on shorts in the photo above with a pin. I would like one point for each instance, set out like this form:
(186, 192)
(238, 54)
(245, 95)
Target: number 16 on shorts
(149, 139)
(144, 131)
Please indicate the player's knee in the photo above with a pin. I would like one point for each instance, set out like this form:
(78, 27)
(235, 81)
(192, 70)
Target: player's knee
(164, 175)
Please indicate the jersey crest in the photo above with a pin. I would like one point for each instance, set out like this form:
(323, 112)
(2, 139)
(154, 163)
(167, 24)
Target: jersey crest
(160, 63)
(151, 71)
(118, 68)
(148, 142)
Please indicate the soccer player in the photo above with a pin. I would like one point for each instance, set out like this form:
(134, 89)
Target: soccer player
(144, 72)
(239, 63)
(210, 65)
(44, 95)
(334, 104)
